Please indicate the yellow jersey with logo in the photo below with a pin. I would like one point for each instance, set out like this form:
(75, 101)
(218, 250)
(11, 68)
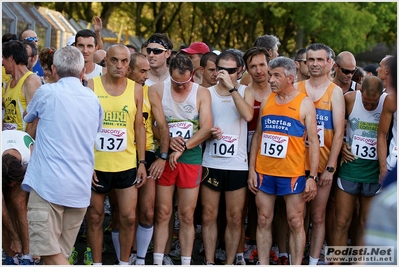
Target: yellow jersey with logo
(325, 125)
(115, 149)
(282, 147)
(15, 105)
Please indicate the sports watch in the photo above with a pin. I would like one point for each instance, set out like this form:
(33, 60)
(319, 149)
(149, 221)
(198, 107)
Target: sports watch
(163, 156)
(330, 169)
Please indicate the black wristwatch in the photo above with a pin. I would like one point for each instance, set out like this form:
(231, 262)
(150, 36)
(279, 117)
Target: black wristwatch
(143, 161)
(314, 178)
(330, 169)
(163, 156)
(232, 90)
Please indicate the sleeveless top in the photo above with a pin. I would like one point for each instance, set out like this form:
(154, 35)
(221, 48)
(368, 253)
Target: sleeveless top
(96, 72)
(18, 140)
(282, 144)
(183, 120)
(325, 125)
(15, 105)
(115, 149)
(392, 158)
(229, 153)
(253, 123)
(361, 134)
(148, 121)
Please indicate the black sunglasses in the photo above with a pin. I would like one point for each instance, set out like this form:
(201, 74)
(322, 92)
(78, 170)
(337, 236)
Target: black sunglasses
(31, 39)
(229, 70)
(345, 71)
(156, 51)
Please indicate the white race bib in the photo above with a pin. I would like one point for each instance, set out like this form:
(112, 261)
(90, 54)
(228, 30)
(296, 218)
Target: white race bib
(364, 147)
(10, 126)
(320, 135)
(274, 145)
(226, 147)
(184, 129)
(111, 140)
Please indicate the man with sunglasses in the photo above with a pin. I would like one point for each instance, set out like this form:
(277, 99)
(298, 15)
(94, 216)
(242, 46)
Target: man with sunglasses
(31, 36)
(159, 49)
(330, 115)
(345, 67)
(225, 160)
(302, 72)
(187, 107)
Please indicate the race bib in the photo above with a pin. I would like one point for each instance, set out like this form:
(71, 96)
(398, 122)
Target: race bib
(274, 145)
(364, 147)
(320, 135)
(226, 147)
(184, 129)
(111, 140)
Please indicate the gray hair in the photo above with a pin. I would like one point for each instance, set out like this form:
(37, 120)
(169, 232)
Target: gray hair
(69, 62)
(267, 41)
(286, 63)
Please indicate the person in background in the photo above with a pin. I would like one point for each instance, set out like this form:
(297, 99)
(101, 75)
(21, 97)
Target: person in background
(46, 57)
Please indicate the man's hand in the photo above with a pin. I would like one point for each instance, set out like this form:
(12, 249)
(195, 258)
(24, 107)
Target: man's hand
(310, 190)
(177, 144)
(253, 181)
(326, 178)
(97, 24)
(141, 175)
(173, 157)
(157, 168)
(346, 152)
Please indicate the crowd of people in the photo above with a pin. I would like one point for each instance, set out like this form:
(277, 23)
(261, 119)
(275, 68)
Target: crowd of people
(271, 158)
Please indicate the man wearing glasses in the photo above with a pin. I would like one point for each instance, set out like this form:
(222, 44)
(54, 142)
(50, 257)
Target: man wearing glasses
(187, 107)
(345, 67)
(301, 67)
(31, 36)
(225, 162)
(158, 50)
(330, 115)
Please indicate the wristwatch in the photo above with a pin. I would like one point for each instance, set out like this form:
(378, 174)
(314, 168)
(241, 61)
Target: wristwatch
(163, 156)
(232, 90)
(143, 161)
(314, 178)
(330, 169)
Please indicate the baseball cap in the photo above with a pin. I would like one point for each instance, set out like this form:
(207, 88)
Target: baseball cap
(70, 40)
(197, 48)
(371, 68)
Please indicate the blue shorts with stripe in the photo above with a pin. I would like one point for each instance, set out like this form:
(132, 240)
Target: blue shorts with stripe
(280, 186)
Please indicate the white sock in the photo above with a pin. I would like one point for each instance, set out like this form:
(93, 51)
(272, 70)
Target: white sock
(283, 254)
(27, 256)
(143, 239)
(158, 258)
(123, 263)
(140, 261)
(313, 261)
(97, 263)
(117, 245)
(185, 260)
(239, 256)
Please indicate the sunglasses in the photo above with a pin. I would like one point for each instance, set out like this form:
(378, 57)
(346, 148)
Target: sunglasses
(156, 51)
(180, 83)
(301, 60)
(229, 70)
(31, 39)
(345, 71)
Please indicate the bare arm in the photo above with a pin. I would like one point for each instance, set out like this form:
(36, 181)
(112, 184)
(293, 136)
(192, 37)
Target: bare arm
(245, 105)
(388, 110)
(31, 84)
(163, 131)
(338, 113)
(97, 26)
(140, 135)
(308, 113)
(345, 149)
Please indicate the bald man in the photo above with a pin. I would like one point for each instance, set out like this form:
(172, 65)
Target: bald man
(383, 72)
(345, 67)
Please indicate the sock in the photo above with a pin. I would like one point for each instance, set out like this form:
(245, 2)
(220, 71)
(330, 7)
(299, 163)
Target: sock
(115, 241)
(185, 260)
(239, 256)
(143, 239)
(283, 254)
(140, 261)
(123, 263)
(97, 263)
(313, 261)
(158, 258)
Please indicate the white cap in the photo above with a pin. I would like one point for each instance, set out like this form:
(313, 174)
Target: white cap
(71, 40)
(217, 52)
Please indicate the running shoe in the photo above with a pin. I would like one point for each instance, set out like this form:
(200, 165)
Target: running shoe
(240, 261)
(175, 254)
(88, 257)
(248, 254)
(73, 259)
(283, 260)
(9, 261)
(107, 206)
(132, 259)
(253, 257)
(201, 250)
(167, 260)
(220, 256)
(207, 262)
